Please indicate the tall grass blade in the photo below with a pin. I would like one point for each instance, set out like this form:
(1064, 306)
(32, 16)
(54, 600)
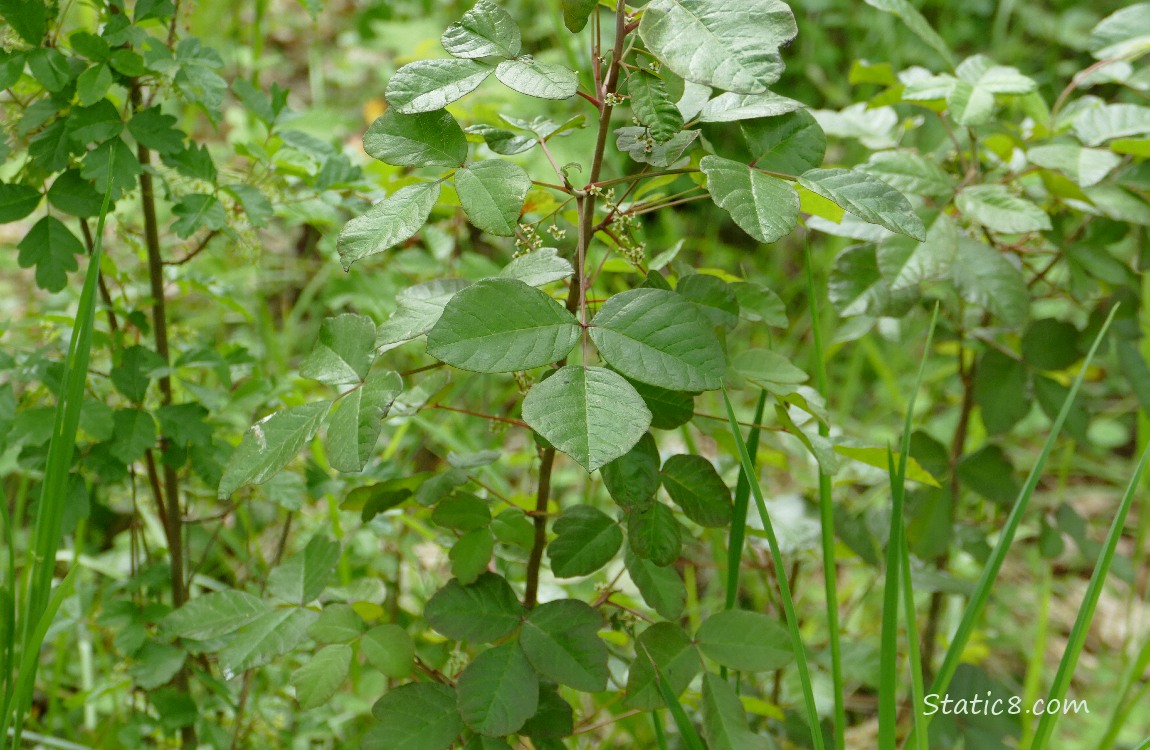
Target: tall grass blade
(986, 580)
(888, 670)
(781, 575)
(1086, 610)
(38, 610)
(738, 533)
(826, 518)
(1131, 678)
(687, 730)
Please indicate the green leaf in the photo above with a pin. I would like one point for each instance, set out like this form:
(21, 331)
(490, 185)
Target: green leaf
(74, 195)
(492, 194)
(344, 352)
(28, 18)
(791, 144)
(320, 677)
(725, 724)
(270, 444)
(561, 639)
(93, 84)
(393, 220)
(906, 265)
(502, 325)
(576, 13)
(741, 639)
(426, 139)
(111, 163)
(586, 539)
(11, 67)
(857, 286)
(590, 413)
(198, 211)
(714, 297)
(1097, 125)
(633, 479)
(660, 586)
(51, 147)
(50, 68)
(97, 124)
(909, 172)
(417, 716)
(211, 616)
(390, 649)
(731, 47)
(462, 512)
(757, 303)
(486, 30)
(985, 277)
(676, 657)
(641, 147)
(539, 267)
(428, 85)
(764, 207)
(272, 634)
(867, 197)
(653, 105)
(417, 310)
(657, 337)
(304, 575)
(1051, 344)
(338, 623)
(357, 420)
(17, 201)
(655, 534)
(1085, 166)
(541, 80)
(1000, 391)
(999, 210)
(470, 555)
(554, 719)
(134, 434)
(669, 409)
(697, 489)
(989, 472)
(52, 248)
(731, 107)
(917, 24)
(483, 612)
(156, 664)
(133, 373)
(1124, 33)
(769, 370)
(498, 691)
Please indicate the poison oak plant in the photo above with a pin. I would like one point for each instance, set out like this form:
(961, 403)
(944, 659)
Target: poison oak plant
(605, 368)
(583, 568)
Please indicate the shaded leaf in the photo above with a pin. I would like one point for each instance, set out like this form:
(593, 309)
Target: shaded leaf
(425, 139)
(483, 612)
(657, 337)
(492, 194)
(502, 325)
(590, 413)
(731, 47)
(586, 539)
(393, 220)
(561, 640)
(498, 691)
(764, 207)
(270, 444)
